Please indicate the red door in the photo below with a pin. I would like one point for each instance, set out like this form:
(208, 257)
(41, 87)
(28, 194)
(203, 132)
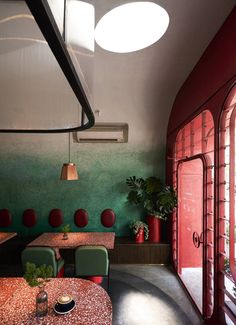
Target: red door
(192, 229)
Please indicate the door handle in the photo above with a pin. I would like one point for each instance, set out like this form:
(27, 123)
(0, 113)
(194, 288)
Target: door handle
(197, 240)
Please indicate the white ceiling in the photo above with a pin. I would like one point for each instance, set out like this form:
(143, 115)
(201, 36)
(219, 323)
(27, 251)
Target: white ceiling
(138, 88)
(154, 75)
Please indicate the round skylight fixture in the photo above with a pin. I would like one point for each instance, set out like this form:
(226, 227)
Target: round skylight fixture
(131, 27)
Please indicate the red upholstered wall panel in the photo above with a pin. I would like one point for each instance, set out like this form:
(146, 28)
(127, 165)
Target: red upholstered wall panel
(108, 218)
(29, 218)
(81, 218)
(55, 218)
(5, 218)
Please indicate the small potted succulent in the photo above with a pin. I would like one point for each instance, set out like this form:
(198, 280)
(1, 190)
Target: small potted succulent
(65, 229)
(140, 230)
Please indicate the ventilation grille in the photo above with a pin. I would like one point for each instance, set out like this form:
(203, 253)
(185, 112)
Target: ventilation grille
(103, 133)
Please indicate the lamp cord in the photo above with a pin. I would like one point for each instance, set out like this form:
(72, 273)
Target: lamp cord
(64, 39)
(69, 147)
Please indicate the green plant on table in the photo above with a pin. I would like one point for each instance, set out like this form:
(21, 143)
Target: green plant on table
(37, 276)
(137, 225)
(66, 228)
(156, 198)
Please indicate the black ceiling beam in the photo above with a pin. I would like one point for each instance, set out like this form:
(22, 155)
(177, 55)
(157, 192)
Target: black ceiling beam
(46, 22)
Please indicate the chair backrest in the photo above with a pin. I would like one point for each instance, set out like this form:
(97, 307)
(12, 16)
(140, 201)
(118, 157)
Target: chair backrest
(91, 260)
(39, 256)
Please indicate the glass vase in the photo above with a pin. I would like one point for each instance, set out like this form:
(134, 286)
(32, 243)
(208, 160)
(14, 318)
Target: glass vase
(41, 302)
(65, 236)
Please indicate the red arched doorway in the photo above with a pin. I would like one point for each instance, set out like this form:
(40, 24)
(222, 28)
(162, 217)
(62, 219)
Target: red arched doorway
(193, 228)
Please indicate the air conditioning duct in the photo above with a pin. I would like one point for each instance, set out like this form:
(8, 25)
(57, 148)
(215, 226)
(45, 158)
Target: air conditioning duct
(103, 133)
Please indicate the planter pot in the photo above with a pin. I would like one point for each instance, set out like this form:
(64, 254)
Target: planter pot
(139, 237)
(154, 226)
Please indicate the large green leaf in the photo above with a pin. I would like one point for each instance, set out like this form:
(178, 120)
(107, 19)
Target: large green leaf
(148, 205)
(134, 197)
(135, 183)
(166, 200)
(156, 198)
(153, 185)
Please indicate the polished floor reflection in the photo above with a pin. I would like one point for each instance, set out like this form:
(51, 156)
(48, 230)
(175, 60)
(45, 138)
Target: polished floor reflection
(150, 295)
(140, 294)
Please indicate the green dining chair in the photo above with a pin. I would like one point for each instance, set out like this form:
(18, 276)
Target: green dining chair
(92, 263)
(43, 255)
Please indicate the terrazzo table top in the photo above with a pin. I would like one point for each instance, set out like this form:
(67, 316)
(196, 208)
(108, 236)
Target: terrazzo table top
(17, 302)
(4, 236)
(75, 239)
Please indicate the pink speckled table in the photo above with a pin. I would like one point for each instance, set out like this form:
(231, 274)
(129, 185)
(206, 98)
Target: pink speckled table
(17, 303)
(75, 239)
(4, 236)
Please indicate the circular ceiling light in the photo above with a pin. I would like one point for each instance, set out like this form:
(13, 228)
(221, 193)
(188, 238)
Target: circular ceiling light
(131, 27)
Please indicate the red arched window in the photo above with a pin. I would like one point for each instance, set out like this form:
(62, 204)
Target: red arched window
(227, 214)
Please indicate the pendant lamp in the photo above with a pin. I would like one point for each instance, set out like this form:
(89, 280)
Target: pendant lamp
(69, 170)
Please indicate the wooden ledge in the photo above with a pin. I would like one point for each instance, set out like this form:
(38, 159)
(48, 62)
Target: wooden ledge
(130, 241)
(127, 251)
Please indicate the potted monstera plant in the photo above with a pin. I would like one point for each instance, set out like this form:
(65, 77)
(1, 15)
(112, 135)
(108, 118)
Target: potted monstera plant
(156, 198)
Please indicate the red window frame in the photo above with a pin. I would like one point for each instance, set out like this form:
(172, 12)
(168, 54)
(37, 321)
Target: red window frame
(226, 219)
(232, 195)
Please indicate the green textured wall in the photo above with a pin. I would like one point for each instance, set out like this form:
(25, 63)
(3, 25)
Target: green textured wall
(29, 178)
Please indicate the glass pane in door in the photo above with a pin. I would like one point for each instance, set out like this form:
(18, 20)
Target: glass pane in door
(190, 227)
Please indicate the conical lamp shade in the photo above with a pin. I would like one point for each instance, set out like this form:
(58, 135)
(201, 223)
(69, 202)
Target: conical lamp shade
(69, 172)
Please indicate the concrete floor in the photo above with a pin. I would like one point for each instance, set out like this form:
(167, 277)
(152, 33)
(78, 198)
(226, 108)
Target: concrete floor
(192, 278)
(149, 295)
(141, 295)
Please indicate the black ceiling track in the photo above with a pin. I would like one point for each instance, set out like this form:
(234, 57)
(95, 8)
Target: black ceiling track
(46, 22)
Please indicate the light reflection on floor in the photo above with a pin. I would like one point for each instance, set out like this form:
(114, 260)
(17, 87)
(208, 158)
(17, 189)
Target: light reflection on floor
(149, 295)
(147, 309)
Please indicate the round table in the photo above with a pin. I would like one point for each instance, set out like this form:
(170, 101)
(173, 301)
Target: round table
(93, 305)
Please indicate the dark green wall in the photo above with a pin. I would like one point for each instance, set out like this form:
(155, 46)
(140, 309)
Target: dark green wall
(29, 178)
